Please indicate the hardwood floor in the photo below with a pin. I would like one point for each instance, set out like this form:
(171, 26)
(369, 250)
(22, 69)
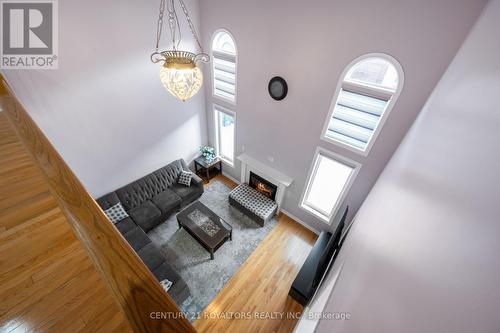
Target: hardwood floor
(47, 282)
(260, 288)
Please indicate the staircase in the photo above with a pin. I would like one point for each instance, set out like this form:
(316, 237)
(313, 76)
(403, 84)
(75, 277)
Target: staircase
(63, 266)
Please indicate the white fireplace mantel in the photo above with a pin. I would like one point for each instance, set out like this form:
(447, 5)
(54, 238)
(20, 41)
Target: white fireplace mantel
(276, 177)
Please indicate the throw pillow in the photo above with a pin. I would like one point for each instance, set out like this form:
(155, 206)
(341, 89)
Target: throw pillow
(166, 284)
(116, 213)
(185, 178)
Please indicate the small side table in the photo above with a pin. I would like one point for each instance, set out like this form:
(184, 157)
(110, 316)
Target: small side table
(203, 166)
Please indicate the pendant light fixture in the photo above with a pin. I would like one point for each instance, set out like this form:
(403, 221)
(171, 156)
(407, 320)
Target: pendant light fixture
(179, 72)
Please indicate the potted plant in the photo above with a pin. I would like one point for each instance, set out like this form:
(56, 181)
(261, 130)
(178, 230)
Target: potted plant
(208, 153)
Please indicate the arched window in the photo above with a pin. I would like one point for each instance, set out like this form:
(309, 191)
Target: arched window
(224, 90)
(365, 95)
(224, 66)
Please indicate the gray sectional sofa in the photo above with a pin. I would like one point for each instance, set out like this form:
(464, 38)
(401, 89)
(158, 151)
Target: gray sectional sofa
(149, 201)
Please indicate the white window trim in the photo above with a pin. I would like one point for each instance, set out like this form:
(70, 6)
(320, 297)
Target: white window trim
(385, 115)
(218, 108)
(226, 57)
(356, 167)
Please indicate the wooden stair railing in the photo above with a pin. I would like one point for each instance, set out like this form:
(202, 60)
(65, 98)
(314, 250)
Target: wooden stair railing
(132, 285)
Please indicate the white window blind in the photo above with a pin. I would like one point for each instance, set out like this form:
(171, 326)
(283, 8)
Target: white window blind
(367, 91)
(224, 73)
(355, 118)
(224, 67)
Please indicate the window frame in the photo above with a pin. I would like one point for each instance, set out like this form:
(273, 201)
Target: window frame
(227, 57)
(372, 91)
(216, 109)
(356, 166)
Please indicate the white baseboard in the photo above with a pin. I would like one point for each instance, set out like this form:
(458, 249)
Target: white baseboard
(296, 219)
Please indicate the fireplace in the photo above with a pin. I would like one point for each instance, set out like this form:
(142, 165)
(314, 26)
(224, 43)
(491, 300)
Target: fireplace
(263, 186)
(269, 178)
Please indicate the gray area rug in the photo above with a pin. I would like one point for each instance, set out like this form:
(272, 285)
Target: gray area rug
(206, 277)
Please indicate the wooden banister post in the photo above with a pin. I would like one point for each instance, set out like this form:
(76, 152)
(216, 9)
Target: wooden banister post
(132, 285)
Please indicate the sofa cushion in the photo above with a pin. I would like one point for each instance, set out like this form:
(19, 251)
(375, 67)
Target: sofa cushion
(108, 200)
(136, 193)
(167, 201)
(186, 193)
(165, 271)
(125, 225)
(137, 238)
(196, 181)
(168, 175)
(145, 215)
(151, 256)
(179, 289)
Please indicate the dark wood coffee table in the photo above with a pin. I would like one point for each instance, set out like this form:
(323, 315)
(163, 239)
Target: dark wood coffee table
(205, 226)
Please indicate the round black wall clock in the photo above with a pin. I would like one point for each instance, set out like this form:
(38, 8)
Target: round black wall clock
(277, 88)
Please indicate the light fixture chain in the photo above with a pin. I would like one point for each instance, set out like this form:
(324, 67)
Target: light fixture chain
(190, 24)
(173, 22)
(160, 24)
(176, 33)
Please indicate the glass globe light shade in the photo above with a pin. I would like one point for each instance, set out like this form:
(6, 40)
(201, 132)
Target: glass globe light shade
(181, 80)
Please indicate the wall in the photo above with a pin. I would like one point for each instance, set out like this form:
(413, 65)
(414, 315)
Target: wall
(309, 44)
(423, 254)
(105, 109)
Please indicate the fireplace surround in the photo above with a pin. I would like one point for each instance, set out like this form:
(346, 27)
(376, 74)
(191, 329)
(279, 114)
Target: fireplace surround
(278, 179)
